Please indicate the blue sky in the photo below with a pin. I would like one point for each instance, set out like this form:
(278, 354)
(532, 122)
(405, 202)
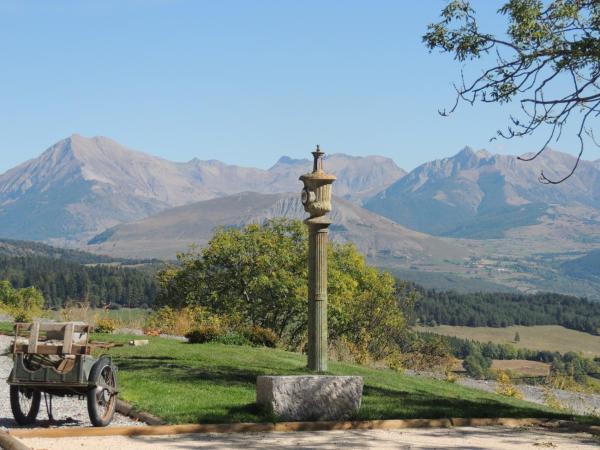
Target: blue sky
(240, 81)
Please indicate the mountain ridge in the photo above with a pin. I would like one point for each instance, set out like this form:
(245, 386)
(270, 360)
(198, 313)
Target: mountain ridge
(174, 230)
(81, 186)
(493, 220)
(454, 193)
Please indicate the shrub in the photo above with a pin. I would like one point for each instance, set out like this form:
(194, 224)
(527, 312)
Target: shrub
(106, 325)
(217, 329)
(167, 320)
(425, 353)
(506, 386)
(477, 365)
(160, 320)
(261, 336)
(204, 333)
(233, 338)
(553, 402)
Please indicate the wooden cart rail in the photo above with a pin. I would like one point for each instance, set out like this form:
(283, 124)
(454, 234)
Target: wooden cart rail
(62, 335)
(53, 349)
(69, 338)
(52, 326)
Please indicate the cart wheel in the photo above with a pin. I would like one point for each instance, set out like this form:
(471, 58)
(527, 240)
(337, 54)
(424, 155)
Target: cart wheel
(101, 402)
(25, 404)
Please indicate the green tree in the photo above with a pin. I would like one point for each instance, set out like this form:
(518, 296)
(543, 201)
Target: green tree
(517, 337)
(548, 60)
(258, 275)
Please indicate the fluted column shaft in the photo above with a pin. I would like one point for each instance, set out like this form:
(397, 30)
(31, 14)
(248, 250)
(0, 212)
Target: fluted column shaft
(317, 296)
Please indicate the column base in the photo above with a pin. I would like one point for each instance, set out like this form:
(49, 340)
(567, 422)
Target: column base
(310, 397)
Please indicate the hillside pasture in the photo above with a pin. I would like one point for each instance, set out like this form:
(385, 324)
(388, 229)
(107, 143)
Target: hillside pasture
(542, 337)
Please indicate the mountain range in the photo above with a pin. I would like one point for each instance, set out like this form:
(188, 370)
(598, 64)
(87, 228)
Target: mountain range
(475, 216)
(482, 195)
(81, 186)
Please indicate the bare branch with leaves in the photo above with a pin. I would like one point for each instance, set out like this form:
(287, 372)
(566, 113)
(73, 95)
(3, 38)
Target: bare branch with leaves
(549, 62)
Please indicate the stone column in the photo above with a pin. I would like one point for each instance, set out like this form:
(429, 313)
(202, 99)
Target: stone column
(316, 198)
(317, 295)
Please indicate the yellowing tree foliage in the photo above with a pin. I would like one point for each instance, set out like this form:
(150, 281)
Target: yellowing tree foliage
(258, 275)
(23, 304)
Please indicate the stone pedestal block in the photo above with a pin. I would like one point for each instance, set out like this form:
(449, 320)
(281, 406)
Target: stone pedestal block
(310, 397)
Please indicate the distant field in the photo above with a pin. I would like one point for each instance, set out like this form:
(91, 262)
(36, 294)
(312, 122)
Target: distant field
(522, 367)
(542, 337)
(518, 367)
(127, 317)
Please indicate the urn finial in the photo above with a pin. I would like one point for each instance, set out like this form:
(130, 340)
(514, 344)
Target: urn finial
(318, 160)
(316, 195)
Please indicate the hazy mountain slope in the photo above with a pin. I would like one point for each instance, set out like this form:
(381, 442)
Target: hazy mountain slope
(585, 267)
(81, 186)
(168, 232)
(357, 177)
(482, 195)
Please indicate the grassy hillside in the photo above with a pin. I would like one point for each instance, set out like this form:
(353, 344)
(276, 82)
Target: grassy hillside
(542, 337)
(216, 383)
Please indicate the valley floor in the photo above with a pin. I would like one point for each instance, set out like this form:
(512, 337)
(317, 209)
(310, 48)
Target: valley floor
(541, 337)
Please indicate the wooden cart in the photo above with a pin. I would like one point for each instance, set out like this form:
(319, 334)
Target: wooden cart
(54, 359)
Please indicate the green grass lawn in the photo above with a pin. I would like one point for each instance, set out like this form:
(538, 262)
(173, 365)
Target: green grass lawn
(187, 383)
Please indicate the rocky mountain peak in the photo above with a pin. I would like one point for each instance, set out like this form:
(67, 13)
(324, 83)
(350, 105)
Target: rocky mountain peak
(466, 158)
(288, 161)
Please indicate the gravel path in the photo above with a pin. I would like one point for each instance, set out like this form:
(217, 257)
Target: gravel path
(493, 438)
(67, 411)
(574, 401)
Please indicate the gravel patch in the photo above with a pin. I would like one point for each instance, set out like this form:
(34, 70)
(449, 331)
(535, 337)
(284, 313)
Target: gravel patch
(490, 438)
(174, 337)
(586, 404)
(67, 411)
(132, 331)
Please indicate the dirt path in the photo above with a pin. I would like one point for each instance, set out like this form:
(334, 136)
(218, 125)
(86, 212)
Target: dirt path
(497, 438)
